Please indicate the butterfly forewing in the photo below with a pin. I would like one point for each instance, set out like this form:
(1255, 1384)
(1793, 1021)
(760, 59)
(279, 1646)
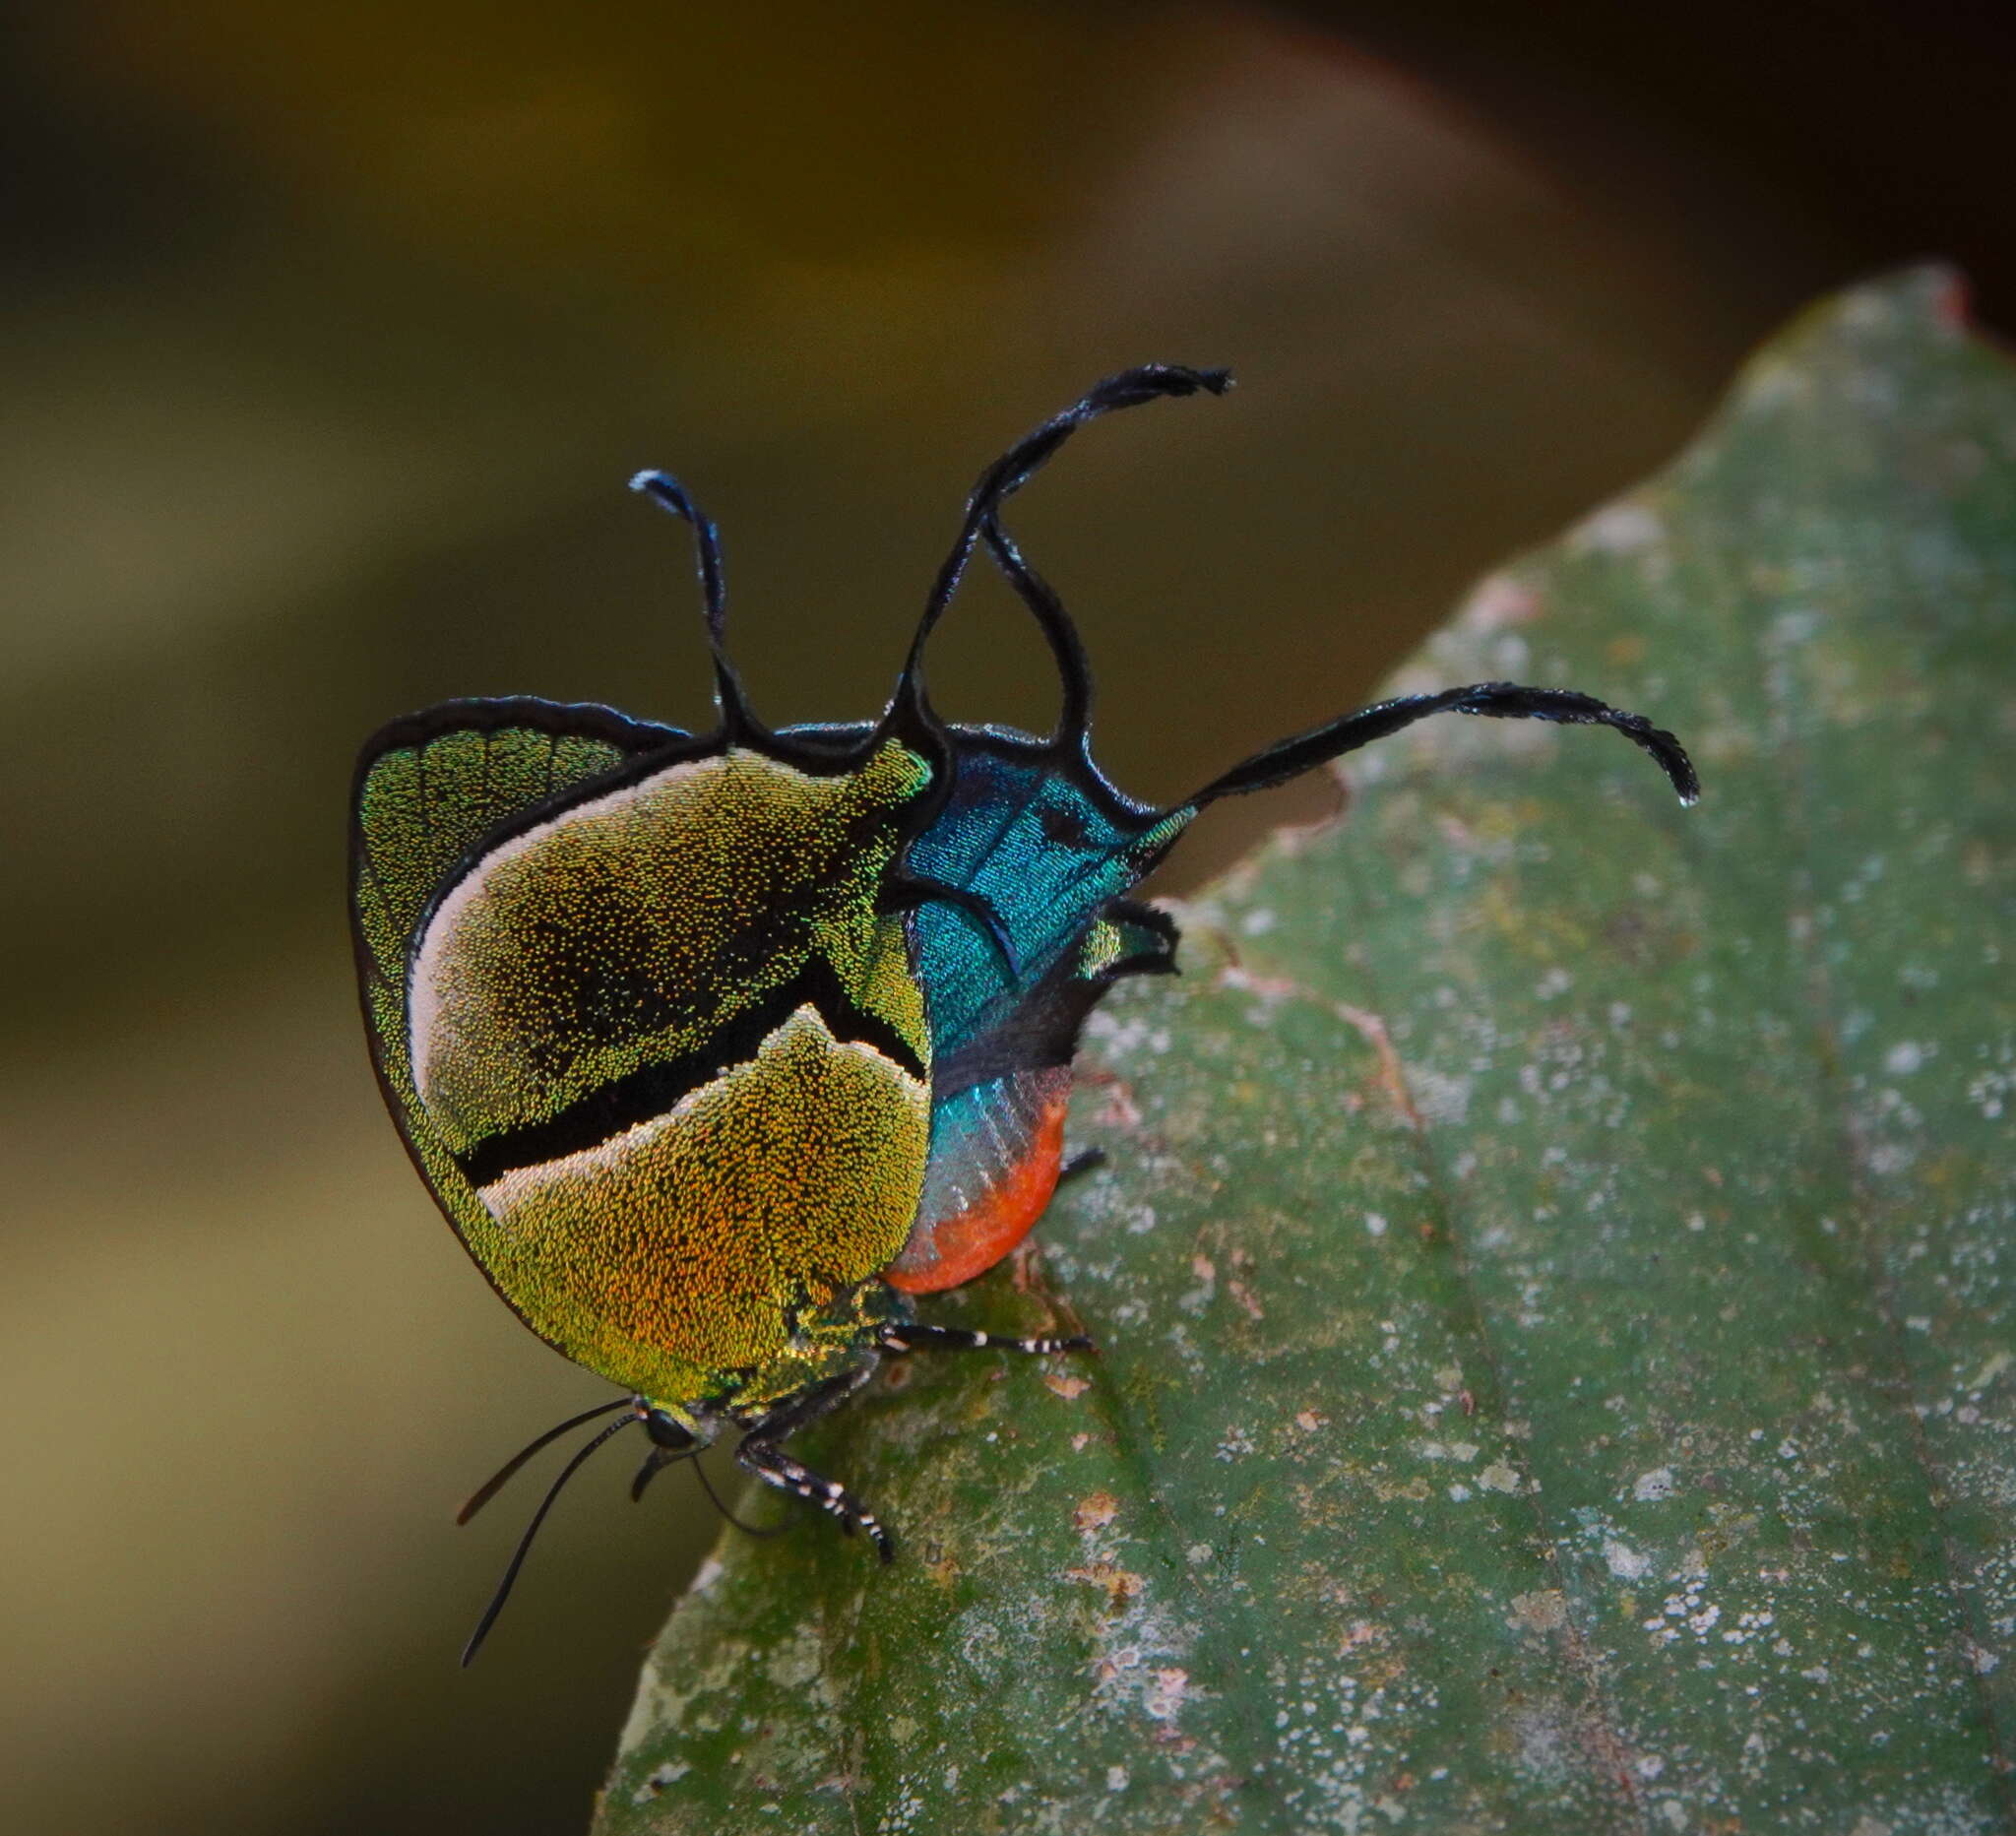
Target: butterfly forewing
(651, 1036)
(430, 788)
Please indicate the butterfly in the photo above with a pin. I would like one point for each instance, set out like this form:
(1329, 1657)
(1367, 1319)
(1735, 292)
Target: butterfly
(720, 1050)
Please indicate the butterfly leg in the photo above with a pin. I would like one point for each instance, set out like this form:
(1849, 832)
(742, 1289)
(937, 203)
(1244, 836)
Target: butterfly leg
(913, 1336)
(761, 1453)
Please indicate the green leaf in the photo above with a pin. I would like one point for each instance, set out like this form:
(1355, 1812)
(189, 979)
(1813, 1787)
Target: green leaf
(1554, 1272)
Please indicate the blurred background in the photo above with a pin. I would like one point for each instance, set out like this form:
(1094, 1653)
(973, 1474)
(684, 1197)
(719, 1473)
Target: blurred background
(330, 338)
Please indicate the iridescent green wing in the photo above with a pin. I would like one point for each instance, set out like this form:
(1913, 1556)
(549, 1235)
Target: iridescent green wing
(430, 788)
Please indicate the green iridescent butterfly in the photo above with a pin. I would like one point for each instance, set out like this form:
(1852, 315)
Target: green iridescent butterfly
(718, 1049)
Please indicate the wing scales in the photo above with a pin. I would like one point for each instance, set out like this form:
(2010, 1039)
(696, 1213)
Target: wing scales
(429, 789)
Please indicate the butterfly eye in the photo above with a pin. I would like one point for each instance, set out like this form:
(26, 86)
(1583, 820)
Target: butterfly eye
(664, 1432)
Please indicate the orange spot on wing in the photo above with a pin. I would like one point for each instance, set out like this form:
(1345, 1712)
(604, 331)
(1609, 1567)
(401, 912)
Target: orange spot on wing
(955, 1249)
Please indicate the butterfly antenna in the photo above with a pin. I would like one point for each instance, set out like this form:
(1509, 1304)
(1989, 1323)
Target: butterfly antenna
(667, 491)
(496, 1482)
(503, 1593)
(1150, 382)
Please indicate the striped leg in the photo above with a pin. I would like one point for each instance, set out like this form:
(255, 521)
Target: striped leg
(773, 1466)
(762, 1453)
(912, 1336)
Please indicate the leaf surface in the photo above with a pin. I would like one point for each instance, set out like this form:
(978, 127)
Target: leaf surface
(1554, 1272)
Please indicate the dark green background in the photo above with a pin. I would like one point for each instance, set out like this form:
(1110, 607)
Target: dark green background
(330, 338)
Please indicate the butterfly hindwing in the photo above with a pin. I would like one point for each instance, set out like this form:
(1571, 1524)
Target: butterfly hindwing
(1046, 846)
(1053, 850)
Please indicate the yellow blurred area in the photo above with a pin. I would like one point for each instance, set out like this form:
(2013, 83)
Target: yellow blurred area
(332, 338)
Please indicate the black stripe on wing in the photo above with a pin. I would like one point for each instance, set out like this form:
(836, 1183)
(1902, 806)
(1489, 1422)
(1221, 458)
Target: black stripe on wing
(653, 1089)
